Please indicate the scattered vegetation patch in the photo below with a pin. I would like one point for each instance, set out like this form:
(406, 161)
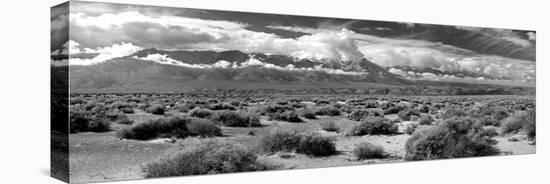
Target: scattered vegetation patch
(374, 126)
(289, 116)
(454, 138)
(208, 158)
(393, 110)
(367, 150)
(521, 121)
(201, 113)
(358, 115)
(411, 128)
(236, 119)
(157, 109)
(406, 114)
(328, 111)
(309, 114)
(305, 143)
(203, 128)
(86, 122)
(425, 120)
(221, 106)
(174, 126)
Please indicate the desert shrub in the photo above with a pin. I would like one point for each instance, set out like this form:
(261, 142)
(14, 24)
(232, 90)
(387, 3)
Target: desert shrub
(203, 128)
(371, 104)
(328, 111)
(207, 158)
(156, 109)
(298, 105)
(424, 109)
(522, 120)
(425, 120)
(289, 116)
(127, 110)
(174, 126)
(490, 131)
(201, 113)
(305, 143)
(74, 101)
(309, 114)
(120, 105)
(374, 126)
(85, 122)
(78, 122)
(99, 125)
(330, 126)
(316, 145)
(357, 115)
(406, 114)
(236, 119)
(393, 110)
(275, 109)
(280, 141)
(185, 107)
(367, 150)
(454, 138)
(499, 115)
(124, 120)
(113, 115)
(453, 112)
(411, 128)
(488, 121)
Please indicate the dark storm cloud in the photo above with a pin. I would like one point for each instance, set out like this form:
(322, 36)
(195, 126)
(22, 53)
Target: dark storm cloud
(161, 37)
(59, 29)
(114, 30)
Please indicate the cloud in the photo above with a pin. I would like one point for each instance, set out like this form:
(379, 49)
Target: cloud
(251, 62)
(59, 26)
(102, 53)
(411, 75)
(222, 64)
(170, 32)
(328, 40)
(504, 34)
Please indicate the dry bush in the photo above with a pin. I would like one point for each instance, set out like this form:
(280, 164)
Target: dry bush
(170, 127)
(236, 119)
(207, 158)
(406, 114)
(521, 121)
(393, 110)
(425, 120)
(328, 111)
(86, 122)
(289, 116)
(358, 115)
(374, 126)
(221, 106)
(309, 114)
(203, 128)
(157, 109)
(454, 138)
(367, 150)
(201, 113)
(305, 143)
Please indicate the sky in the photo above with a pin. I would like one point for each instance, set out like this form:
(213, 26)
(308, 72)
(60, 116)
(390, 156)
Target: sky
(101, 31)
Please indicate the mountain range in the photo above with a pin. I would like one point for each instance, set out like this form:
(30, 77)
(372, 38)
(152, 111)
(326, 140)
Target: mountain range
(138, 73)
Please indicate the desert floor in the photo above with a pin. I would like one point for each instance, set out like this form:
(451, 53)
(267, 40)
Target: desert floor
(103, 157)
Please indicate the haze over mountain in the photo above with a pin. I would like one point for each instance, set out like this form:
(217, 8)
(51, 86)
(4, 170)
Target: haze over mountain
(121, 47)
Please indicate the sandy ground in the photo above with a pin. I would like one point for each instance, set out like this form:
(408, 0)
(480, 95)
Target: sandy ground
(103, 157)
